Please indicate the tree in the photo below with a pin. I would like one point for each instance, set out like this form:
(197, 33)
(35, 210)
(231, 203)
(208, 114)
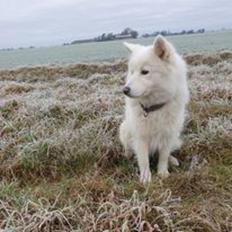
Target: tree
(190, 32)
(201, 30)
(110, 36)
(134, 34)
(126, 31)
(163, 33)
(183, 32)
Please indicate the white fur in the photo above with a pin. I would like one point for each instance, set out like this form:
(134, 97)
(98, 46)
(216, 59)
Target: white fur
(165, 82)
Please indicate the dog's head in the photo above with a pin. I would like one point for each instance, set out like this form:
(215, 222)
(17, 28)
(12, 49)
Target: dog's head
(151, 70)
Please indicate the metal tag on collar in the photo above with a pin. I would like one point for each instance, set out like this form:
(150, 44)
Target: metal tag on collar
(145, 114)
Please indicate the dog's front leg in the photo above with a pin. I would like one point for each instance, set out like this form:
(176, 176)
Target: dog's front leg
(164, 153)
(142, 153)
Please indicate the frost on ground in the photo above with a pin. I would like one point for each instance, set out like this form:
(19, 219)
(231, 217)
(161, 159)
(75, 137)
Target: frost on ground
(60, 159)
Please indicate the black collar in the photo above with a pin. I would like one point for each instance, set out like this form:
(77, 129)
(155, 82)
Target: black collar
(152, 108)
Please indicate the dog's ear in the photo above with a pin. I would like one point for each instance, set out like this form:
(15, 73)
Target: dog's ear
(162, 48)
(131, 47)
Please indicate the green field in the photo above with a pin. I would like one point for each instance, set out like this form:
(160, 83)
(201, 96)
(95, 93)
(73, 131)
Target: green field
(91, 52)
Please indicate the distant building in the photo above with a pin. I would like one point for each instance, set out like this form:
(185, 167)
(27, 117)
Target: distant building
(119, 36)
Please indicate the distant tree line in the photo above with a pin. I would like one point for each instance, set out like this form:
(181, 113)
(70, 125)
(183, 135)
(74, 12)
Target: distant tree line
(167, 33)
(127, 33)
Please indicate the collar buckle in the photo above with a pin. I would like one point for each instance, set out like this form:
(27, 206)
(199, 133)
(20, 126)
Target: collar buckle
(145, 114)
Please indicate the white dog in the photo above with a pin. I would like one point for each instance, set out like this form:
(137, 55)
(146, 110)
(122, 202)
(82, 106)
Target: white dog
(156, 96)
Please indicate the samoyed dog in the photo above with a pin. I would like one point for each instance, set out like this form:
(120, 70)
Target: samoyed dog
(156, 96)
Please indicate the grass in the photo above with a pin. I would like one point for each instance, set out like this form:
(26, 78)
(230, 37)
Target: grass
(61, 163)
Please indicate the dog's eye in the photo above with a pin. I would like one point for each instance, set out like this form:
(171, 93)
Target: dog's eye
(144, 72)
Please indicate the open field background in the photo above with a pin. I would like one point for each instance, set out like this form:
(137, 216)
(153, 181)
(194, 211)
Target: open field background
(61, 166)
(92, 52)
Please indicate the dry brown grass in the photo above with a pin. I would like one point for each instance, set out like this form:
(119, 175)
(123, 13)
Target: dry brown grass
(61, 164)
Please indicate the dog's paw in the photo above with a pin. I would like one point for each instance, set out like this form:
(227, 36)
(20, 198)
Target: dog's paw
(173, 161)
(163, 174)
(145, 177)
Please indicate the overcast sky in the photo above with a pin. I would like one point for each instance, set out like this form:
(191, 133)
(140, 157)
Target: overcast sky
(51, 22)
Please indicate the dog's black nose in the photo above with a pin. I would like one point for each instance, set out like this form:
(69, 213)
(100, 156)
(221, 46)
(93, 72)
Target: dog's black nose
(126, 90)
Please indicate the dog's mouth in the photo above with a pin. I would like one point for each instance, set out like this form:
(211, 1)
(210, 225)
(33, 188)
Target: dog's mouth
(129, 93)
(131, 96)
